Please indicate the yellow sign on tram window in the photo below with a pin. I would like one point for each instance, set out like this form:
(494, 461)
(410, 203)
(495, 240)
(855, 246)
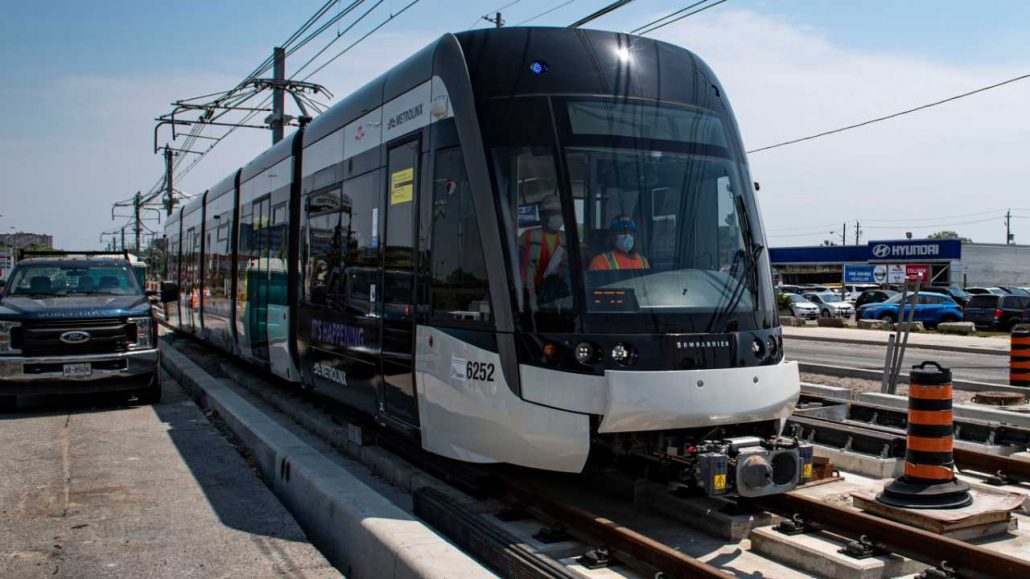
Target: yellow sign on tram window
(402, 186)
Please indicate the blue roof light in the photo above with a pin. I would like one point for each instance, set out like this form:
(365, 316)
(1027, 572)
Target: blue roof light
(539, 67)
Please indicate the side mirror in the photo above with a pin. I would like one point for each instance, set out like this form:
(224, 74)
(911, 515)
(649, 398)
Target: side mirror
(169, 292)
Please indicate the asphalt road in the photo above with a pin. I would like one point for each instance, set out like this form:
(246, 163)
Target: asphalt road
(102, 489)
(974, 367)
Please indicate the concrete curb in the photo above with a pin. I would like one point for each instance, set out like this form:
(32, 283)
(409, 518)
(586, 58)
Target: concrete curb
(845, 372)
(961, 349)
(361, 532)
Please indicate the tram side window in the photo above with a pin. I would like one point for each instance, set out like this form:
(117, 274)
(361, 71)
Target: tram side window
(460, 288)
(328, 227)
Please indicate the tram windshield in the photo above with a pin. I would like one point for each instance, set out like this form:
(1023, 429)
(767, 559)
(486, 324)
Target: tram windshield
(639, 221)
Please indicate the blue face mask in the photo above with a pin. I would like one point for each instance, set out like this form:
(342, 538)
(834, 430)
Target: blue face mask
(624, 242)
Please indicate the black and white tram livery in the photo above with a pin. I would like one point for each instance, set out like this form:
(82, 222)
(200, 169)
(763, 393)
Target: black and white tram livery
(521, 245)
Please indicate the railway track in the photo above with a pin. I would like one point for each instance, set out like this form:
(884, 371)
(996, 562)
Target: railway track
(880, 431)
(635, 549)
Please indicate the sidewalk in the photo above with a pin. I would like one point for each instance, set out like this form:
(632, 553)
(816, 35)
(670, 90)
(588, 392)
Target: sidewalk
(973, 344)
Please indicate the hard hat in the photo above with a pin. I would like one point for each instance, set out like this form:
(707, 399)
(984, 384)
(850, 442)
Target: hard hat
(622, 223)
(549, 204)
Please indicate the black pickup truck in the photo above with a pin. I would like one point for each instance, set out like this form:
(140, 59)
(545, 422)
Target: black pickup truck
(77, 323)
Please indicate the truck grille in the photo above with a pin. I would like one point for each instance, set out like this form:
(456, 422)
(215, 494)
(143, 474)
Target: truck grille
(43, 337)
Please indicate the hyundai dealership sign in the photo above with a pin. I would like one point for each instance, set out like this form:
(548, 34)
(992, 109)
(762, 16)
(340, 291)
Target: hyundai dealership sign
(920, 250)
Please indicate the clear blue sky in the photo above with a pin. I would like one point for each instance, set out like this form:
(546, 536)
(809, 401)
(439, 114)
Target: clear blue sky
(63, 55)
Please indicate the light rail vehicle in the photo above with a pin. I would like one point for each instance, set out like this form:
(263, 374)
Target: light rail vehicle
(530, 246)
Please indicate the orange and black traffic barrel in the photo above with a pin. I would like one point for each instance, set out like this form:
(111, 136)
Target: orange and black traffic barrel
(929, 481)
(1019, 357)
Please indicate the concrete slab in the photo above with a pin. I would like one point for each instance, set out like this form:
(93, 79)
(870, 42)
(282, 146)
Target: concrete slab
(960, 410)
(881, 468)
(827, 391)
(817, 553)
(358, 529)
(94, 488)
(704, 513)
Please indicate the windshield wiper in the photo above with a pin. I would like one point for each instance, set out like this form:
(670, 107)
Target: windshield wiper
(749, 276)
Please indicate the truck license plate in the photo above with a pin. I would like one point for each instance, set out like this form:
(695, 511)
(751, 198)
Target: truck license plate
(77, 370)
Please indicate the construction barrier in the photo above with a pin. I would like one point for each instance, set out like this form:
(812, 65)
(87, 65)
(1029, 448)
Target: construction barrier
(1019, 357)
(929, 481)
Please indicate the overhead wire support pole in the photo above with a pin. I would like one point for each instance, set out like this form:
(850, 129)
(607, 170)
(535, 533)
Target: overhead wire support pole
(169, 189)
(138, 223)
(607, 9)
(278, 95)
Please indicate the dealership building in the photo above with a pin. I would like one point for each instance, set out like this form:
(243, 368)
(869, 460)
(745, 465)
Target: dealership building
(941, 261)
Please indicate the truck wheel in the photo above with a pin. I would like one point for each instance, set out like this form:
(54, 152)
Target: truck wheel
(151, 394)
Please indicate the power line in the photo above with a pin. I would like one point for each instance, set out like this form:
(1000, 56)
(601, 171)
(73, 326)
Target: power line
(891, 116)
(546, 12)
(648, 28)
(670, 15)
(599, 13)
(495, 10)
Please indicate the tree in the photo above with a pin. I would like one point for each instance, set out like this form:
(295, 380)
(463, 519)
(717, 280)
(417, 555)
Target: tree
(948, 234)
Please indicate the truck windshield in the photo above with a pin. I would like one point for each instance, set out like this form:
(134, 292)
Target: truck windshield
(630, 217)
(56, 280)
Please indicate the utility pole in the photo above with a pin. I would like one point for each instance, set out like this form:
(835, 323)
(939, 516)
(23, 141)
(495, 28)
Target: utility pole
(123, 238)
(278, 94)
(169, 189)
(858, 232)
(844, 234)
(496, 20)
(137, 201)
(1008, 227)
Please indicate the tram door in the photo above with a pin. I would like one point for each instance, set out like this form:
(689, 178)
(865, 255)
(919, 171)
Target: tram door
(257, 280)
(398, 288)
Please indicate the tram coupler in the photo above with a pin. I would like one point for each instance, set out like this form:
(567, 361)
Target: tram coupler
(749, 466)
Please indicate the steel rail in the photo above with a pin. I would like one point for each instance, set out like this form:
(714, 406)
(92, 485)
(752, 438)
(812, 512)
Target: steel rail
(966, 559)
(617, 537)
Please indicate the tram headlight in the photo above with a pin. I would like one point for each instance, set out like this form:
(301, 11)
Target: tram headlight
(624, 354)
(586, 353)
(772, 345)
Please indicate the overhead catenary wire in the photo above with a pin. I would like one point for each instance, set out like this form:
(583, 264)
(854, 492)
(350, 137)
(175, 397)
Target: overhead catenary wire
(893, 115)
(546, 12)
(599, 13)
(494, 11)
(649, 28)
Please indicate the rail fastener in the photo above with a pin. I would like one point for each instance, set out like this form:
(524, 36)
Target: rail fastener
(936, 550)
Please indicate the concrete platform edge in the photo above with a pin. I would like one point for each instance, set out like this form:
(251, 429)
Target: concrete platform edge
(846, 372)
(859, 341)
(361, 532)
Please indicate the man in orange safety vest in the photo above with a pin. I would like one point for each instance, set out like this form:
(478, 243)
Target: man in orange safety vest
(624, 254)
(542, 249)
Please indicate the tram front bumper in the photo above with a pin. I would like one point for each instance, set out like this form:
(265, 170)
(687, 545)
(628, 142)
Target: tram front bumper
(647, 401)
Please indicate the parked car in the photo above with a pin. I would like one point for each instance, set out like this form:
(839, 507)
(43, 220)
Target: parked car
(814, 289)
(991, 312)
(830, 305)
(855, 289)
(802, 308)
(931, 309)
(788, 289)
(979, 291)
(1016, 291)
(873, 296)
(958, 294)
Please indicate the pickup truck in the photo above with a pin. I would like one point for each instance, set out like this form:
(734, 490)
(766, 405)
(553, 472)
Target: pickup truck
(77, 323)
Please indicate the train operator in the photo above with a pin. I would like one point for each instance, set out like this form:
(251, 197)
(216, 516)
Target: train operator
(624, 254)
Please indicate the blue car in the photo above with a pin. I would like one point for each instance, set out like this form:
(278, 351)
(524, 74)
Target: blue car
(931, 309)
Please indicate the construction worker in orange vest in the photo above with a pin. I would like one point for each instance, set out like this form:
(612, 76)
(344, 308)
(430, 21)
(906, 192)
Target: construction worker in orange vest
(623, 254)
(542, 249)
